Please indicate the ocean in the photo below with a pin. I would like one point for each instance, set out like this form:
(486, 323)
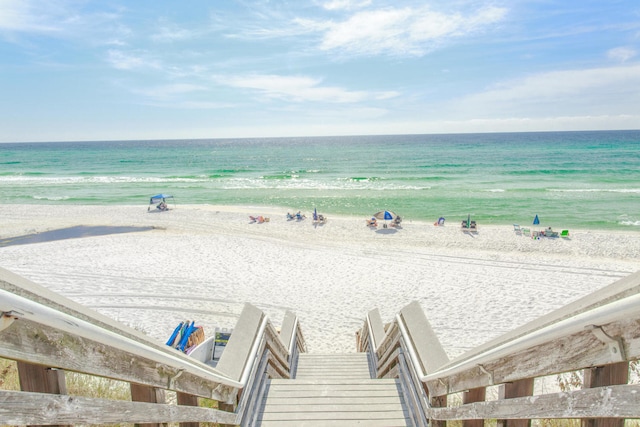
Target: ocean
(588, 180)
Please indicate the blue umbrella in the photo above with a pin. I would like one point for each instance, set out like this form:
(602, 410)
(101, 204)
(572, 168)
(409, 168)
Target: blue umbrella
(536, 221)
(386, 215)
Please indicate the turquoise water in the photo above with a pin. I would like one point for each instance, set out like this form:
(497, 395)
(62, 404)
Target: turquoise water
(570, 179)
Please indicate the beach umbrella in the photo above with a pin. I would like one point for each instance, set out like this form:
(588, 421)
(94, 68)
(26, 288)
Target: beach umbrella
(469, 221)
(386, 215)
(315, 214)
(536, 221)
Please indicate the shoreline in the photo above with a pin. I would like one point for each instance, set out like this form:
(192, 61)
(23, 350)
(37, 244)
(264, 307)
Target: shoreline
(620, 226)
(202, 262)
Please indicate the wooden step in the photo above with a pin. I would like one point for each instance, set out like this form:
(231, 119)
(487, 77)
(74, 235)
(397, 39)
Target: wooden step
(333, 402)
(352, 365)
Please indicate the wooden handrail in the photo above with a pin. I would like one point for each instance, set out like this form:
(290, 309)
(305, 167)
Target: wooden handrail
(39, 327)
(610, 320)
(600, 329)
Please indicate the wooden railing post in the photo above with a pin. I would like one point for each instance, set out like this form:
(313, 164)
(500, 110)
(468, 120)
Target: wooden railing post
(143, 393)
(520, 388)
(40, 379)
(187, 400)
(471, 396)
(617, 373)
(438, 402)
(229, 407)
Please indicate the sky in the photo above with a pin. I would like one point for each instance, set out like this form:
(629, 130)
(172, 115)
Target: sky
(156, 69)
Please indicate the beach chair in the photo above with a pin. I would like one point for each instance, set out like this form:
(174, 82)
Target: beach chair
(517, 229)
(564, 234)
(473, 226)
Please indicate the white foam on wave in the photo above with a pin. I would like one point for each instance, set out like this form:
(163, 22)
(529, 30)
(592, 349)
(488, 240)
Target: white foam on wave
(308, 184)
(50, 198)
(92, 180)
(595, 190)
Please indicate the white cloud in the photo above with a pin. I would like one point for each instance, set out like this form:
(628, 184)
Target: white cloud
(345, 4)
(404, 31)
(597, 91)
(21, 15)
(167, 91)
(168, 32)
(622, 54)
(127, 61)
(300, 88)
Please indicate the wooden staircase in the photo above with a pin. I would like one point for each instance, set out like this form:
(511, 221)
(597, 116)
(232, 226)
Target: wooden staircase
(333, 390)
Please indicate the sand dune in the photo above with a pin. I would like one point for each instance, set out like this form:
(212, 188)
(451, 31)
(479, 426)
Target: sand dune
(203, 262)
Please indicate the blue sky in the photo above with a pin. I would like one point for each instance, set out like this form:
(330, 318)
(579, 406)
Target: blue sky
(157, 69)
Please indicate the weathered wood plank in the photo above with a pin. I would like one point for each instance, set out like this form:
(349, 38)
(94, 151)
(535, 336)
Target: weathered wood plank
(21, 408)
(41, 379)
(472, 396)
(333, 366)
(360, 390)
(300, 383)
(334, 423)
(615, 374)
(334, 393)
(42, 345)
(335, 401)
(425, 342)
(187, 400)
(578, 351)
(622, 288)
(235, 356)
(288, 329)
(143, 393)
(23, 287)
(377, 328)
(519, 388)
(333, 374)
(620, 401)
(334, 407)
(333, 356)
(334, 415)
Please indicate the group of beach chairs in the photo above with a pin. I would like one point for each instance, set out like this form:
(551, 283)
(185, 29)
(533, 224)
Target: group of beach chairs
(469, 226)
(373, 222)
(298, 216)
(535, 234)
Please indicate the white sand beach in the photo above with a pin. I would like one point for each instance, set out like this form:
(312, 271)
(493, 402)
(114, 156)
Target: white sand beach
(204, 262)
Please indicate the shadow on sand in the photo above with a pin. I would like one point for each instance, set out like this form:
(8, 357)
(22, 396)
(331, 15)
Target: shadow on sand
(69, 233)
